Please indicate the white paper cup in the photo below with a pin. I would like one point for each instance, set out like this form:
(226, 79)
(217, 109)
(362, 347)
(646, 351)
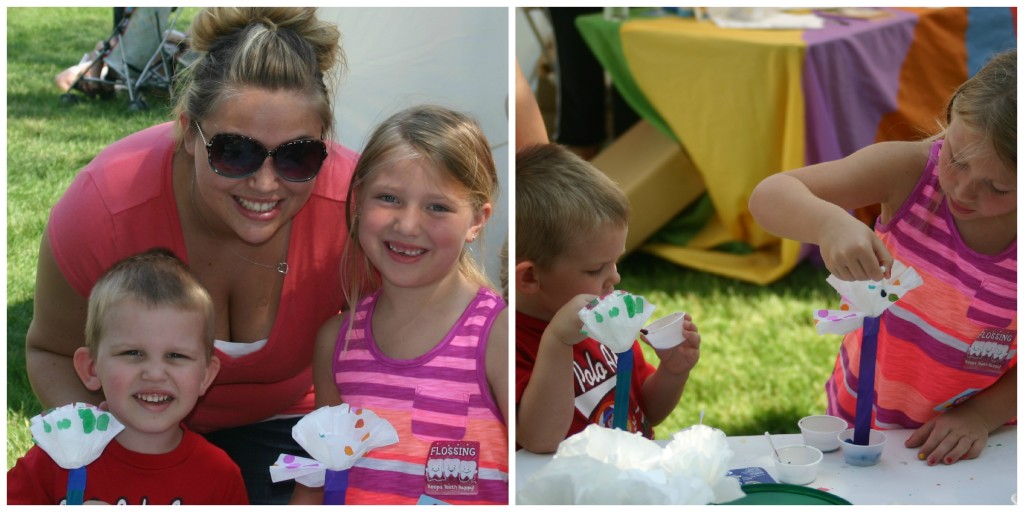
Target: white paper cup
(860, 455)
(822, 431)
(799, 464)
(666, 332)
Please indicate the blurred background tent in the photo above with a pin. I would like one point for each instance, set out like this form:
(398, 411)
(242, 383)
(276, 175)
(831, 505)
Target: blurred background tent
(455, 57)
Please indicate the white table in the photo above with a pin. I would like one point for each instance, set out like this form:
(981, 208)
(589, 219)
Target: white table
(898, 478)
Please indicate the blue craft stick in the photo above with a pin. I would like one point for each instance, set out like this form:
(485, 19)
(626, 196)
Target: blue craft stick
(76, 486)
(623, 377)
(335, 487)
(866, 381)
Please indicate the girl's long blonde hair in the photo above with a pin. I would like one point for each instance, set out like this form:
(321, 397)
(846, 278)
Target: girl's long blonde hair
(987, 103)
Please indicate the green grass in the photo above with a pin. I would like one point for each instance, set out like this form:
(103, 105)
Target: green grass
(762, 365)
(47, 143)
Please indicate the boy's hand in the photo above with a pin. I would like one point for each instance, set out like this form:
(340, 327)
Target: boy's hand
(566, 325)
(953, 435)
(680, 359)
(852, 252)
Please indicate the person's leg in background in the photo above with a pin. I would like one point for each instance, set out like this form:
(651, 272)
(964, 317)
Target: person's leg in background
(581, 122)
(623, 115)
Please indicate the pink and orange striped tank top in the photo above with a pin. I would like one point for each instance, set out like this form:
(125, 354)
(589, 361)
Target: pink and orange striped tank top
(453, 443)
(944, 341)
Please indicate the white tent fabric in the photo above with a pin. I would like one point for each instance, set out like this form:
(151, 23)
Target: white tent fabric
(455, 57)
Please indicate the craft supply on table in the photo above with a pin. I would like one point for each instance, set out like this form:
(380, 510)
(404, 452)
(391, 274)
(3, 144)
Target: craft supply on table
(602, 466)
(770, 443)
(799, 464)
(763, 18)
(751, 475)
(786, 494)
(615, 321)
(867, 454)
(822, 431)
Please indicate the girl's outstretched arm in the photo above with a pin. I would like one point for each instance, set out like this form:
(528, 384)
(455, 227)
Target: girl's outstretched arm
(811, 204)
(324, 386)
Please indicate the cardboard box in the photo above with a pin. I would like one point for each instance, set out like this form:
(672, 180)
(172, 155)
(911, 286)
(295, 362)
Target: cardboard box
(657, 176)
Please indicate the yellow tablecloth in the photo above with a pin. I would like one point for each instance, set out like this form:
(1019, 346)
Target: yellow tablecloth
(764, 125)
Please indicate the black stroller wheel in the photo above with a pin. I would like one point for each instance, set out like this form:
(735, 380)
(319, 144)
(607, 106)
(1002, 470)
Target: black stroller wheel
(68, 99)
(138, 105)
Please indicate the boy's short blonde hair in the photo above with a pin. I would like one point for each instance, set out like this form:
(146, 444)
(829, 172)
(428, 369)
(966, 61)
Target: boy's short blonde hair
(155, 278)
(561, 200)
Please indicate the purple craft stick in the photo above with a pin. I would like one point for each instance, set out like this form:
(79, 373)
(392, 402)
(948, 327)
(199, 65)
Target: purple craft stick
(623, 378)
(866, 381)
(335, 487)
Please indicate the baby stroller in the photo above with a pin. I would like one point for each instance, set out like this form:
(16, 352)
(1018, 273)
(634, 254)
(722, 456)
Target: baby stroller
(142, 52)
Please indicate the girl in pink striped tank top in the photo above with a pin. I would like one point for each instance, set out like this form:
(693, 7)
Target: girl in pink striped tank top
(947, 351)
(426, 345)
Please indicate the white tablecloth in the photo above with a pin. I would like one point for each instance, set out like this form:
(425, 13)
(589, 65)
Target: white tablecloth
(898, 478)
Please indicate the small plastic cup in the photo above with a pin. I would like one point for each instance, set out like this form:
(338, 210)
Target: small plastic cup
(860, 455)
(666, 332)
(822, 431)
(798, 464)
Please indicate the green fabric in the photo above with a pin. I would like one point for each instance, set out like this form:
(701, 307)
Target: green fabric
(602, 36)
(683, 227)
(688, 223)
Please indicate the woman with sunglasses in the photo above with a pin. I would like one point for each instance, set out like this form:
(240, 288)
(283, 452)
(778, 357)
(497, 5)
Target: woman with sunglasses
(245, 187)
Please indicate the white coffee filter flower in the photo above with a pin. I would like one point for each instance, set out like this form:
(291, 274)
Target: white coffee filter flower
(619, 448)
(615, 319)
(303, 470)
(74, 435)
(865, 299)
(338, 436)
(702, 452)
(602, 466)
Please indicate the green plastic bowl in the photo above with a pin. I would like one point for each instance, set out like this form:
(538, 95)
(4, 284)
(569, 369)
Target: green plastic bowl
(786, 494)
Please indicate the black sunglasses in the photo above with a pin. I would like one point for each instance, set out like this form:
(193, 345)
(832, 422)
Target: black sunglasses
(238, 156)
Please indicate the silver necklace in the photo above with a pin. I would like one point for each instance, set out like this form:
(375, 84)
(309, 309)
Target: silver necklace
(281, 267)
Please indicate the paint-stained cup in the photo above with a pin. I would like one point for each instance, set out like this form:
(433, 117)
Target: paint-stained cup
(861, 455)
(798, 465)
(666, 332)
